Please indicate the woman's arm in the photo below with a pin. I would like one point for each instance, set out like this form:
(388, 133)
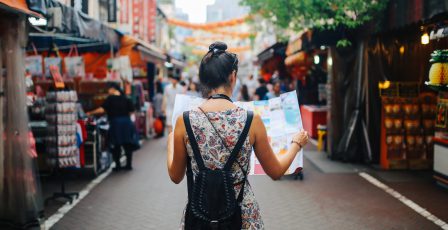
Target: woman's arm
(274, 166)
(177, 152)
(99, 110)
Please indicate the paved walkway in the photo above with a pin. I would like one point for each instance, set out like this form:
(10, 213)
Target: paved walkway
(145, 198)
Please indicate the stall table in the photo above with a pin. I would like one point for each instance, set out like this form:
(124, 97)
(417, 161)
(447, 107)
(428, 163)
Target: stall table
(312, 116)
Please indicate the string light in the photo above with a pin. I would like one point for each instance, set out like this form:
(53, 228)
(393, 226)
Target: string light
(425, 38)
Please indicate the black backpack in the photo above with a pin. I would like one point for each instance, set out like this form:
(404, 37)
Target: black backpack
(211, 197)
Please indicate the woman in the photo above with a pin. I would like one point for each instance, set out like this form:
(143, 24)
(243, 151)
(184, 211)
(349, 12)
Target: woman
(218, 114)
(122, 132)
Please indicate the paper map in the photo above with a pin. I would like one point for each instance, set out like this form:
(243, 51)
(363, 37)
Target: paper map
(280, 115)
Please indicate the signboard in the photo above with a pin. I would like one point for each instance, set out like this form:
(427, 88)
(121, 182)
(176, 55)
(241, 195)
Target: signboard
(112, 11)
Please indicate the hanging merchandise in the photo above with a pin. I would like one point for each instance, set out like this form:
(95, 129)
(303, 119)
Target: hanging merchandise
(438, 74)
(52, 61)
(74, 64)
(62, 119)
(33, 63)
(120, 67)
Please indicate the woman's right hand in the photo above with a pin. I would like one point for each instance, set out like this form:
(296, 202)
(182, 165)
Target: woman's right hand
(301, 138)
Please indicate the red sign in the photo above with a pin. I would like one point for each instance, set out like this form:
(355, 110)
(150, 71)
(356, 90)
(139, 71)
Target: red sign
(124, 11)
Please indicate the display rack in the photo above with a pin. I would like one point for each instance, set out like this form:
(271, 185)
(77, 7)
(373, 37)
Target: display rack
(61, 140)
(407, 126)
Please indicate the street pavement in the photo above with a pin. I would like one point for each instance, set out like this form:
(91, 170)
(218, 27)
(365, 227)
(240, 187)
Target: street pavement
(145, 198)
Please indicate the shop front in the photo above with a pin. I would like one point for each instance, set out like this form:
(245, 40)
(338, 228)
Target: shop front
(386, 91)
(307, 65)
(20, 193)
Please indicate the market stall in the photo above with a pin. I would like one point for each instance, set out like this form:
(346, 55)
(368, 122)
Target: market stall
(307, 65)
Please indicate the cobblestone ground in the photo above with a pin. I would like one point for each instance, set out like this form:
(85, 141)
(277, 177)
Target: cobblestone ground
(145, 198)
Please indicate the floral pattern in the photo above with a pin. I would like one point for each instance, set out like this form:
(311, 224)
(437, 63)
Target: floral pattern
(230, 124)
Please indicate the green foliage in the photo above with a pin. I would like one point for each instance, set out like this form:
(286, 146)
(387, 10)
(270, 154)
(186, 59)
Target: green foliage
(321, 14)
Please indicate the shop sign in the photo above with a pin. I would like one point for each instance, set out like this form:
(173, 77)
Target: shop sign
(112, 11)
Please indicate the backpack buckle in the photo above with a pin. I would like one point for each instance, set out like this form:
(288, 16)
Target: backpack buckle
(214, 224)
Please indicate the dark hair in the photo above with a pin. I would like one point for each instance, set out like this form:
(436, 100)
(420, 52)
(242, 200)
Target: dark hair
(115, 86)
(216, 67)
(193, 83)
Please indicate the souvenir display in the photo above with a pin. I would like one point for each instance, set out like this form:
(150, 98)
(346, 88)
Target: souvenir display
(62, 119)
(408, 127)
(438, 73)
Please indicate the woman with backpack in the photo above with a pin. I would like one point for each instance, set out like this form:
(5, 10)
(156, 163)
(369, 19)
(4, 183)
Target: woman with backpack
(212, 145)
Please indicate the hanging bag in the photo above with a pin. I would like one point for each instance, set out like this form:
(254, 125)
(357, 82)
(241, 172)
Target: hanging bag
(74, 64)
(52, 61)
(33, 63)
(211, 197)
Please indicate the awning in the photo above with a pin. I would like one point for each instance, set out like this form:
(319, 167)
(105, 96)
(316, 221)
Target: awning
(18, 6)
(300, 59)
(404, 13)
(278, 49)
(63, 42)
(140, 52)
(150, 53)
(77, 24)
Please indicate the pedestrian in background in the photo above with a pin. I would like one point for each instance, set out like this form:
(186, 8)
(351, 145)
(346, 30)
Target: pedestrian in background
(261, 91)
(252, 85)
(158, 110)
(213, 129)
(169, 98)
(122, 133)
(244, 94)
(193, 89)
(274, 90)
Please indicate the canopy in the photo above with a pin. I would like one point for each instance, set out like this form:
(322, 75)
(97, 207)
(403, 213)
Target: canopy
(277, 49)
(77, 24)
(17, 6)
(63, 42)
(140, 52)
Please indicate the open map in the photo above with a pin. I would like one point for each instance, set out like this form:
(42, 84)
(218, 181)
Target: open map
(280, 115)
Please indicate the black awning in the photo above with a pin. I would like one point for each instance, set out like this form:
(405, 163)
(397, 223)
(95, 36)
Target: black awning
(278, 49)
(63, 42)
(77, 24)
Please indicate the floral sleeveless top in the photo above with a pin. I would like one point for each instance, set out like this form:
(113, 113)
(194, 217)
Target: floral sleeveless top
(230, 124)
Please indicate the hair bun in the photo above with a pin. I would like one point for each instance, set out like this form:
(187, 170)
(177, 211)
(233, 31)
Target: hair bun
(218, 46)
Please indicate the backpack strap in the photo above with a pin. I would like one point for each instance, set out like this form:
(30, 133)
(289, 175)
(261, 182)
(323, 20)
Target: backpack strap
(193, 142)
(240, 142)
(189, 180)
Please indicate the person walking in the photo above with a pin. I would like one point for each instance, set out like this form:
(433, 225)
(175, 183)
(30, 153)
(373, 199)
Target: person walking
(158, 111)
(244, 94)
(169, 97)
(212, 144)
(122, 133)
(261, 91)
